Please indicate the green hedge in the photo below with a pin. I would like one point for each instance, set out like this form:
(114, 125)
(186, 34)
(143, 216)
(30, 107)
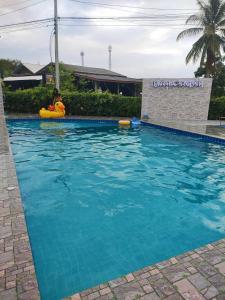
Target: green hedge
(217, 108)
(86, 104)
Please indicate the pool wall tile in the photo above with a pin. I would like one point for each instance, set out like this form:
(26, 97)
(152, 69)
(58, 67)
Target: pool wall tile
(204, 137)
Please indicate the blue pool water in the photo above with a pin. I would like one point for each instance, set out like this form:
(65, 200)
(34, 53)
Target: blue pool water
(101, 201)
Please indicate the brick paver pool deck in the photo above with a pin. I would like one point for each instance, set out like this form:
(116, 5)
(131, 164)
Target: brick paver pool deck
(195, 275)
(17, 274)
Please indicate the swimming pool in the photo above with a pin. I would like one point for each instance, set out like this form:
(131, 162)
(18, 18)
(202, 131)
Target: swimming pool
(101, 201)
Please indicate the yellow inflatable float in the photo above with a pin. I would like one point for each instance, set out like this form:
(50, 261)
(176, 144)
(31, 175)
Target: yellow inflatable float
(56, 111)
(124, 122)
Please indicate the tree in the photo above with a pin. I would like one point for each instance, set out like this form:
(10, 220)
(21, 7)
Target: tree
(218, 85)
(7, 67)
(67, 80)
(210, 23)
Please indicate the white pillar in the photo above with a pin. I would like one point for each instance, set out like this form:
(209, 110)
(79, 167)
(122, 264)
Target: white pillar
(110, 57)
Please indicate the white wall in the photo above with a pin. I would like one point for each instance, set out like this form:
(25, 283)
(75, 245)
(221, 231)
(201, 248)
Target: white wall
(169, 99)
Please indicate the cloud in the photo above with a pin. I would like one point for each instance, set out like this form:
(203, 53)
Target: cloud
(138, 51)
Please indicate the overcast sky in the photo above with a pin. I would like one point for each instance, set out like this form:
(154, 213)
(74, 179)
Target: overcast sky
(137, 51)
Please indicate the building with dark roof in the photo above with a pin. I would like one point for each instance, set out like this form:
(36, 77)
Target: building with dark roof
(97, 79)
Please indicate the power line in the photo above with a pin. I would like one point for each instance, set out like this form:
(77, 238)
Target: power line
(124, 25)
(118, 8)
(109, 18)
(79, 18)
(125, 20)
(108, 6)
(25, 28)
(152, 19)
(26, 23)
(15, 4)
(22, 8)
(134, 7)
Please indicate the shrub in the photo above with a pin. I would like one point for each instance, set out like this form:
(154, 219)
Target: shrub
(217, 108)
(77, 103)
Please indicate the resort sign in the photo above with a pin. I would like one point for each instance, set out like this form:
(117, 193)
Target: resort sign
(176, 98)
(177, 84)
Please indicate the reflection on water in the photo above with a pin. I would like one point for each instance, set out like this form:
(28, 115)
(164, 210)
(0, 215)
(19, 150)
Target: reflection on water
(53, 128)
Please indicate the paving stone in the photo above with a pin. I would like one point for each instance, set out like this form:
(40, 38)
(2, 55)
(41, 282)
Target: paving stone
(192, 270)
(117, 282)
(2, 284)
(6, 257)
(195, 255)
(2, 273)
(164, 264)
(145, 275)
(219, 297)
(103, 285)
(174, 260)
(4, 211)
(93, 296)
(218, 281)
(152, 296)
(175, 296)
(175, 272)
(29, 295)
(210, 246)
(162, 286)
(130, 290)
(5, 231)
(221, 267)
(187, 290)
(213, 257)
(8, 295)
(75, 297)
(199, 281)
(222, 250)
(210, 292)
(143, 282)
(107, 297)
(105, 291)
(129, 277)
(154, 272)
(11, 284)
(147, 288)
(27, 283)
(6, 260)
(86, 292)
(205, 268)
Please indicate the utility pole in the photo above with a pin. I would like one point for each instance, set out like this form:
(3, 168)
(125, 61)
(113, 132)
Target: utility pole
(110, 57)
(57, 80)
(82, 58)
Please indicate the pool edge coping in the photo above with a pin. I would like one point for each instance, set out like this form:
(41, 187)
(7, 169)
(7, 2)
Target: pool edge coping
(17, 272)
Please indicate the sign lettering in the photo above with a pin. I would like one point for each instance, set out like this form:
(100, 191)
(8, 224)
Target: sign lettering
(178, 84)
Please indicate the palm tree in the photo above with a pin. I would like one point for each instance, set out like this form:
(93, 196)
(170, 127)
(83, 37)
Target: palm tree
(210, 23)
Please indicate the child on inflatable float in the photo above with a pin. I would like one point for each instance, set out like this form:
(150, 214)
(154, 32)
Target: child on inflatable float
(56, 110)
